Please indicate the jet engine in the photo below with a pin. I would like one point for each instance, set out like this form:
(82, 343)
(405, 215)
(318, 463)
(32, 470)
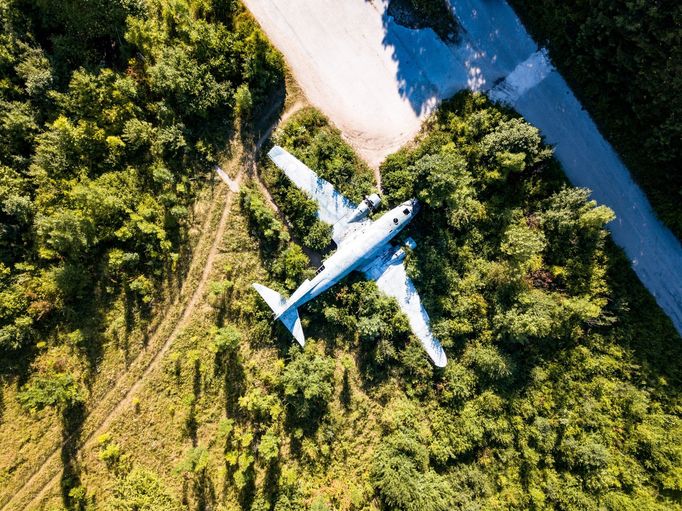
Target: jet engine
(369, 204)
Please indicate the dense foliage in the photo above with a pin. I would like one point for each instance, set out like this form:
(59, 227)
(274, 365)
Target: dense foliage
(562, 389)
(111, 114)
(542, 404)
(623, 59)
(556, 395)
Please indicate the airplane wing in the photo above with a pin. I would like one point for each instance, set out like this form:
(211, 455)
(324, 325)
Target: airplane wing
(333, 208)
(390, 275)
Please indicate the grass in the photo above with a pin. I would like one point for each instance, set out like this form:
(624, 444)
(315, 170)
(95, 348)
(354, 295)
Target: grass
(185, 404)
(154, 433)
(29, 439)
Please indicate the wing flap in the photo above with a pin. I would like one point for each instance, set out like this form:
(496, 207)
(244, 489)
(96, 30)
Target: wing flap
(391, 277)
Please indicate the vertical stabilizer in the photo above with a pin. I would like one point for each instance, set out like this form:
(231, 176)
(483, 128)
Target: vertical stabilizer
(289, 318)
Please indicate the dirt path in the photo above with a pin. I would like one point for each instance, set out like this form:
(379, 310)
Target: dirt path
(91, 439)
(50, 471)
(52, 457)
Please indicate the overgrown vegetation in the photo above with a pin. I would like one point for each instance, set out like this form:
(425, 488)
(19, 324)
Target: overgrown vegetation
(112, 116)
(562, 389)
(546, 354)
(310, 138)
(112, 113)
(561, 392)
(556, 395)
(623, 60)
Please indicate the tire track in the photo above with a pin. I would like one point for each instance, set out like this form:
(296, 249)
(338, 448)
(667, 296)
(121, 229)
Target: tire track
(50, 470)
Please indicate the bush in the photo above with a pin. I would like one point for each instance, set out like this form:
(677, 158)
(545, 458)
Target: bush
(58, 390)
(262, 222)
(307, 383)
(142, 490)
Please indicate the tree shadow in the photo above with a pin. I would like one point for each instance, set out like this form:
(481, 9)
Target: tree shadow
(346, 395)
(652, 338)
(83, 316)
(256, 125)
(191, 423)
(248, 491)
(230, 365)
(72, 418)
(271, 482)
(204, 491)
(428, 66)
(2, 400)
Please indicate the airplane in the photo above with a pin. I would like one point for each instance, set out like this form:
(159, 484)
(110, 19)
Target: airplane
(362, 245)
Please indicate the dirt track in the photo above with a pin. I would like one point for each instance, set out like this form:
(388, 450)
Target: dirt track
(42, 480)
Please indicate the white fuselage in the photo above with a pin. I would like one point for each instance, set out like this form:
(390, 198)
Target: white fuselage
(357, 250)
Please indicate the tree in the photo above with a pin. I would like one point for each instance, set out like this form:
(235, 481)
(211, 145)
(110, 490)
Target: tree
(307, 382)
(400, 467)
(522, 243)
(56, 389)
(511, 138)
(291, 266)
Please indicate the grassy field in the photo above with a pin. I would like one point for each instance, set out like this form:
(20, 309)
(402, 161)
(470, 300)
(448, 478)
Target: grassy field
(30, 438)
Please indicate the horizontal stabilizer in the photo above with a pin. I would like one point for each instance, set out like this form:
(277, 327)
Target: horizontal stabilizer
(292, 321)
(275, 300)
(289, 318)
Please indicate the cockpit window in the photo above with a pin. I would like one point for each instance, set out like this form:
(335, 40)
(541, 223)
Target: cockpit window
(395, 221)
(406, 211)
(320, 269)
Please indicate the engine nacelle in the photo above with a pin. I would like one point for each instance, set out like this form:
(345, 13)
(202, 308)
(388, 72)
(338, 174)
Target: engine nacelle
(368, 205)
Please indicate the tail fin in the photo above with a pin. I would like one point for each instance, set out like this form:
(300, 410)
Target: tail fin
(289, 318)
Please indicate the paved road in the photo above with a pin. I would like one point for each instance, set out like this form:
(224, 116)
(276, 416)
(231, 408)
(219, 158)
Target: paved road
(378, 80)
